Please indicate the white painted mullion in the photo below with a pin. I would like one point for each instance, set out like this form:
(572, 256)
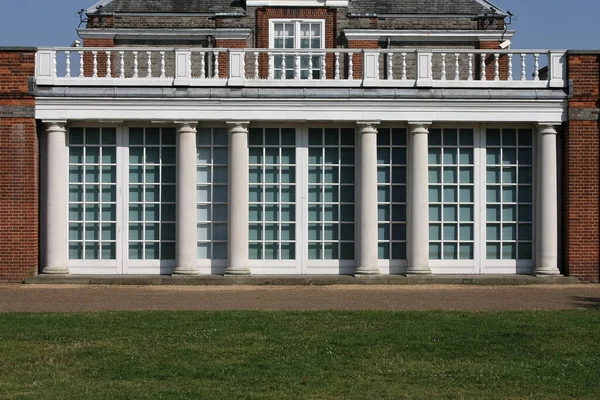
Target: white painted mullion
(480, 198)
(124, 170)
(121, 222)
(302, 198)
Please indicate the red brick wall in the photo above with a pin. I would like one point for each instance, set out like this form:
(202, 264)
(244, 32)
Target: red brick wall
(490, 61)
(88, 58)
(581, 175)
(263, 15)
(357, 58)
(224, 57)
(19, 241)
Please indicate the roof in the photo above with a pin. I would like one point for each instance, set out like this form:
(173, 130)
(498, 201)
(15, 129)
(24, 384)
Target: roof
(355, 7)
(170, 6)
(422, 7)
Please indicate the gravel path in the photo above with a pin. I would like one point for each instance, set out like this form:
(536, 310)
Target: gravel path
(74, 298)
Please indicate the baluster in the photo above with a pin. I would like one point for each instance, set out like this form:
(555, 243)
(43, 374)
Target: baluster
(496, 67)
(149, 74)
(108, 65)
(135, 64)
(403, 66)
(202, 65)
(523, 67)
(216, 66)
(337, 66)
(54, 69)
(122, 65)
(483, 66)
(470, 67)
(296, 66)
(243, 61)
(310, 66)
(510, 67)
(390, 61)
(163, 69)
(95, 64)
(283, 67)
(270, 75)
(323, 67)
(68, 66)
(443, 66)
(430, 65)
(81, 65)
(457, 66)
(536, 67)
(256, 73)
(189, 65)
(350, 67)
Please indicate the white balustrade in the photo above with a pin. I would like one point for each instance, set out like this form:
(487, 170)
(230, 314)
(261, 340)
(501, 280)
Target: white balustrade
(402, 67)
(149, 71)
(456, 66)
(108, 65)
(443, 66)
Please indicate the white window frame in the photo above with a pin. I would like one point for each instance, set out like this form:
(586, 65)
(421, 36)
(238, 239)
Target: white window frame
(83, 267)
(297, 23)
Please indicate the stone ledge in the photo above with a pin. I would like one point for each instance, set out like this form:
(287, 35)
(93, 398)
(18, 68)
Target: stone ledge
(301, 280)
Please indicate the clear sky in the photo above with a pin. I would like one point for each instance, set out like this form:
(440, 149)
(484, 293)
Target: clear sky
(540, 24)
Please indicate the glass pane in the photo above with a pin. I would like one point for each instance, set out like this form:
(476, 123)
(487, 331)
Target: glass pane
(450, 232)
(509, 232)
(467, 232)
(466, 251)
(435, 156)
(435, 251)
(435, 232)
(493, 231)
(203, 251)
(450, 251)
(75, 251)
(204, 232)
(256, 213)
(493, 251)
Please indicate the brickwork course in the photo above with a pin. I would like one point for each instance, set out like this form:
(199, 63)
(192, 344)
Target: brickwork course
(581, 174)
(19, 167)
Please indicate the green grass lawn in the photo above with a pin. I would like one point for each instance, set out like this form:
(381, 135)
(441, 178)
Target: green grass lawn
(312, 355)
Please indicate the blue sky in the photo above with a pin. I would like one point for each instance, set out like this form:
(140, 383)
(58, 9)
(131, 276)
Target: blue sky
(540, 24)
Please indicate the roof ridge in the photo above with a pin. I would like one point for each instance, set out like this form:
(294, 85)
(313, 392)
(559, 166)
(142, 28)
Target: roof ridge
(491, 5)
(95, 7)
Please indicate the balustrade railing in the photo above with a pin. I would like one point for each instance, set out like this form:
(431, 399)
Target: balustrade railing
(276, 67)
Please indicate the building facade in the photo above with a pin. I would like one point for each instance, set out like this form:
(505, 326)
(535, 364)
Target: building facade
(300, 137)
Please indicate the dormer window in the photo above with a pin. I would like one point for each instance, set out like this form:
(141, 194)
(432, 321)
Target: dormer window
(307, 36)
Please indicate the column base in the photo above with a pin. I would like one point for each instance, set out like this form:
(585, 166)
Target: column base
(367, 271)
(238, 272)
(548, 272)
(185, 271)
(55, 271)
(419, 272)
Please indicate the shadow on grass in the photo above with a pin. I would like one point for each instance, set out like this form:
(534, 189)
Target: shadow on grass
(590, 303)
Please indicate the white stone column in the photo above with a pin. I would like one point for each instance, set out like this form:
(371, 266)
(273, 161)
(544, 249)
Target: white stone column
(238, 199)
(186, 200)
(546, 258)
(418, 218)
(56, 225)
(367, 256)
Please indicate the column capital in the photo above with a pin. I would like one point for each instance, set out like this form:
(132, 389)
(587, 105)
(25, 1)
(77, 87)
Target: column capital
(547, 128)
(368, 123)
(416, 124)
(60, 123)
(186, 123)
(237, 125)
